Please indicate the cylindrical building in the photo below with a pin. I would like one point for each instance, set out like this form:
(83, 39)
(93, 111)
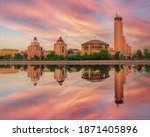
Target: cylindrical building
(118, 34)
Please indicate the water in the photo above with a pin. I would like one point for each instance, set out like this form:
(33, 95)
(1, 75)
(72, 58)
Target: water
(74, 92)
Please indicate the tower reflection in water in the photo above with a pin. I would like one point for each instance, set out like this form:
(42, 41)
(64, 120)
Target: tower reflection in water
(60, 74)
(119, 79)
(34, 73)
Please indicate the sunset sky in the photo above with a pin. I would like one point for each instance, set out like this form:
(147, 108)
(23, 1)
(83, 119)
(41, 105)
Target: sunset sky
(76, 21)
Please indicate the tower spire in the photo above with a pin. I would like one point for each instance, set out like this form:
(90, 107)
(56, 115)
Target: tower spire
(116, 14)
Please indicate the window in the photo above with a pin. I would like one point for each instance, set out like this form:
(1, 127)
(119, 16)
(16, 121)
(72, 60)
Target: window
(63, 49)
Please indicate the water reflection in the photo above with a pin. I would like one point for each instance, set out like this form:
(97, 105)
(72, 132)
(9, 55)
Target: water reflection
(8, 70)
(96, 74)
(77, 92)
(60, 74)
(34, 73)
(89, 73)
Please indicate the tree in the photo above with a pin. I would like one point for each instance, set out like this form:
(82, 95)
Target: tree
(18, 56)
(146, 53)
(52, 56)
(85, 57)
(36, 57)
(117, 68)
(95, 56)
(104, 54)
(1, 57)
(139, 54)
(25, 56)
(134, 56)
(7, 57)
(117, 55)
(147, 68)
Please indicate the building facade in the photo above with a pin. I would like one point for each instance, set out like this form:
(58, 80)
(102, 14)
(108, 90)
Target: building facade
(118, 34)
(73, 51)
(93, 46)
(34, 49)
(120, 43)
(11, 52)
(60, 48)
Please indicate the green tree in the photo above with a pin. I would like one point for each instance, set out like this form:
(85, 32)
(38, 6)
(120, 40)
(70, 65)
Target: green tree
(139, 54)
(7, 57)
(52, 56)
(25, 56)
(117, 55)
(104, 54)
(1, 57)
(146, 53)
(134, 56)
(85, 57)
(147, 68)
(61, 57)
(95, 56)
(18, 57)
(117, 68)
(36, 57)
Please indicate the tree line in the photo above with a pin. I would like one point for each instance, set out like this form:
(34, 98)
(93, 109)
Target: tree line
(102, 55)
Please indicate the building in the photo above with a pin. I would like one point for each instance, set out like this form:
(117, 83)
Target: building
(11, 52)
(128, 49)
(73, 51)
(93, 46)
(60, 75)
(118, 34)
(60, 48)
(34, 49)
(120, 43)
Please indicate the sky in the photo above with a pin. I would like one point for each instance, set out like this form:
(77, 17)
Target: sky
(77, 21)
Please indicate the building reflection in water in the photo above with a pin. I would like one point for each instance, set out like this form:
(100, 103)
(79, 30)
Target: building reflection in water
(95, 74)
(34, 72)
(120, 78)
(60, 74)
(8, 70)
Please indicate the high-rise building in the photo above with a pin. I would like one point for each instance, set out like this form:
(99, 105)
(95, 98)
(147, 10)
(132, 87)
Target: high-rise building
(60, 47)
(118, 34)
(34, 49)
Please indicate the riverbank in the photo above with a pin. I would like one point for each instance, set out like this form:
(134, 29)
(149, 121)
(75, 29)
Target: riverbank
(78, 62)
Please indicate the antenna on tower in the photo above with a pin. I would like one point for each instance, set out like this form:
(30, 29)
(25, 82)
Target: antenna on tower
(116, 14)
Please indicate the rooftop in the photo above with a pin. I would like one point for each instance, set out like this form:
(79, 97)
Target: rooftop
(95, 42)
(60, 39)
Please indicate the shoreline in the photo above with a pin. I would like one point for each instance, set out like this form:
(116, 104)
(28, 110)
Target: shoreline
(78, 62)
